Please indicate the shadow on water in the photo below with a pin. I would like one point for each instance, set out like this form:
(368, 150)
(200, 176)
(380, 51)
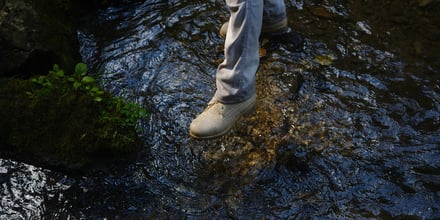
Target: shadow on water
(347, 128)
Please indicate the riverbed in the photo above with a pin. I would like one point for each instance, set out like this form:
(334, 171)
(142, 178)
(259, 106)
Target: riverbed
(346, 128)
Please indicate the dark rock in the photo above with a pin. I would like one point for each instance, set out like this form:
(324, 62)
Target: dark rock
(34, 35)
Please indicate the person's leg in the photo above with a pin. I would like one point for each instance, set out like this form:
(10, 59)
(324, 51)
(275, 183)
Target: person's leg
(236, 75)
(235, 78)
(275, 29)
(274, 17)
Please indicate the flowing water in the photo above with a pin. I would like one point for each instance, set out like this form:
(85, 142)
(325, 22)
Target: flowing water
(348, 128)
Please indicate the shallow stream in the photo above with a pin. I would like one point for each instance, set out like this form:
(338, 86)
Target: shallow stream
(348, 128)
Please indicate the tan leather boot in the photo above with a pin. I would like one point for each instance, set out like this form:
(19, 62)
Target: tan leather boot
(219, 118)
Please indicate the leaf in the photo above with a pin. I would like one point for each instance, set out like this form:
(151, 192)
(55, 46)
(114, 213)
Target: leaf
(322, 12)
(81, 69)
(58, 74)
(88, 79)
(325, 60)
(47, 84)
(56, 68)
(76, 85)
(95, 89)
(98, 99)
(262, 52)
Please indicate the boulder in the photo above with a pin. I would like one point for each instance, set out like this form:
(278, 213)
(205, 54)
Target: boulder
(34, 35)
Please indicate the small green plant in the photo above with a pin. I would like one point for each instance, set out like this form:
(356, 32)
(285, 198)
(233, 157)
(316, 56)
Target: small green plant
(128, 113)
(131, 112)
(80, 80)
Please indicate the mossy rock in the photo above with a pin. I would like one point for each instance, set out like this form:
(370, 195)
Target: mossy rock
(63, 127)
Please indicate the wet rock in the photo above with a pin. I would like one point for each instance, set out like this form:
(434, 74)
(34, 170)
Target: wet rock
(33, 36)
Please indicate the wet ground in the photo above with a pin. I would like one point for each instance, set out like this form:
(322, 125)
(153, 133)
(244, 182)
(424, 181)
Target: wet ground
(349, 128)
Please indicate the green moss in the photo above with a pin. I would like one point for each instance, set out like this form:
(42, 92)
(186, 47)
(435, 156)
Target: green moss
(58, 122)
